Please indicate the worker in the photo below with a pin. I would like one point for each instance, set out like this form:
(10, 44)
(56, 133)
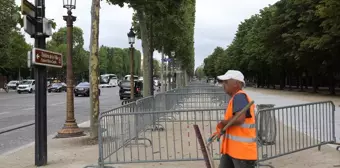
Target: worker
(238, 146)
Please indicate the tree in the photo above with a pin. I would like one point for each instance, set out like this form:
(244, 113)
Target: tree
(18, 53)
(199, 73)
(58, 43)
(9, 19)
(164, 24)
(156, 68)
(94, 68)
(290, 43)
(116, 60)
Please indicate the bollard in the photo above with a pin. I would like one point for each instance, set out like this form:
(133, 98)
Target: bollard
(266, 126)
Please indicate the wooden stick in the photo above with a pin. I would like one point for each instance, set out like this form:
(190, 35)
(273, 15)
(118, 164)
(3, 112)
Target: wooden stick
(203, 147)
(231, 122)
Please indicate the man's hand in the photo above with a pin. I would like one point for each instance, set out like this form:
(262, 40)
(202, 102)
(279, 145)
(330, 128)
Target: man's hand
(220, 125)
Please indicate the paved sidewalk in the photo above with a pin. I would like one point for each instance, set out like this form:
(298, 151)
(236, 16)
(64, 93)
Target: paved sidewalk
(79, 152)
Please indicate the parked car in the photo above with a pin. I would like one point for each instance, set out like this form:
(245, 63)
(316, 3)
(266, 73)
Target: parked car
(13, 84)
(83, 89)
(57, 87)
(26, 86)
(125, 89)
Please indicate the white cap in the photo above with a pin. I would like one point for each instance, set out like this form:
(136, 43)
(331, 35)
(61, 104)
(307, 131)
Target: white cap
(232, 74)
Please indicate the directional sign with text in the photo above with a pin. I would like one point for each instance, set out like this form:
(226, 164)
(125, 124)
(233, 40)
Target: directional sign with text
(47, 58)
(27, 8)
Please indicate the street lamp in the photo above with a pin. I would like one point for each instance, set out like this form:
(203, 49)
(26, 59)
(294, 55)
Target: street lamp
(69, 4)
(70, 128)
(173, 53)
(172, 79)
(131, 36)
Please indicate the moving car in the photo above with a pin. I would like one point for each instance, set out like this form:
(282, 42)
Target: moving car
(125, 89)
(108, 80)
(127, 77)
(13, 84)
(83, 89)
(26, 86)
(57, 87)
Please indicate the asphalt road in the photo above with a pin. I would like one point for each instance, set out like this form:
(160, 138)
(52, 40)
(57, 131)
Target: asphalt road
(16, 109)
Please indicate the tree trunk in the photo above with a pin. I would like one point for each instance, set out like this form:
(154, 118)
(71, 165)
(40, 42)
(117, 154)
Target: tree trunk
(301, 83)
(94, 68)
(146, 53)
(314, 82)
(290, 81)
(331, 83)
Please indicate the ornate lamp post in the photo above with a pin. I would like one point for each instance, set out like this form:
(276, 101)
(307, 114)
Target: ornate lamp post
(131, 36)
(70, 128)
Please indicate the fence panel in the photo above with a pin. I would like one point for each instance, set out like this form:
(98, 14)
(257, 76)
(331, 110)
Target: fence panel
(138, 142)
(297, 128)
(132, 137)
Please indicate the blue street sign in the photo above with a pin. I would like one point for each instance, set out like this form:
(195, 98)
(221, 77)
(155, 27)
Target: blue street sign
(167, 60)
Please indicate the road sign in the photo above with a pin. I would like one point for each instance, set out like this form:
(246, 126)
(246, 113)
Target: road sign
(167, 60)
(29, 25)
(27, 8)
(47, 58)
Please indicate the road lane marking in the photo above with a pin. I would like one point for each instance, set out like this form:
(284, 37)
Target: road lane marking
(2, 113)
(26, 109)
(56, 104)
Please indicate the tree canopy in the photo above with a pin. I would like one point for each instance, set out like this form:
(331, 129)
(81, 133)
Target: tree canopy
(290, 43)
(13, 46)
(164, 26)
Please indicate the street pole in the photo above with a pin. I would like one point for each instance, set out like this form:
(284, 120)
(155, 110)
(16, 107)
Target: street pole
(70, 128)
(151, 59)
(167, 76)
(132, 79)
(162, 71)
(40, 76)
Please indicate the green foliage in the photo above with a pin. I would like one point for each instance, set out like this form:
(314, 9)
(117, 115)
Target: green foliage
(156, 68)
(199, 72)
(80, 57)
(293, 42)
(117, 61)
(170, 24)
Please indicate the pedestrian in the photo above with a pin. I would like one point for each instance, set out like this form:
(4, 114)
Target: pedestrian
(238, 148)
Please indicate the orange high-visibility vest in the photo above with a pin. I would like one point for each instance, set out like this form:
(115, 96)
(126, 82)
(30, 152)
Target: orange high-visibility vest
(239, 141)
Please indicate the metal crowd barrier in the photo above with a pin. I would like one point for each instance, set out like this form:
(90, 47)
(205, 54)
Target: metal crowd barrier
(110, 142)
(297, 128)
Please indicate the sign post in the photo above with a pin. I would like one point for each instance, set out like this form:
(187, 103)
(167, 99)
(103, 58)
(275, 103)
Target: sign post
(36, 25)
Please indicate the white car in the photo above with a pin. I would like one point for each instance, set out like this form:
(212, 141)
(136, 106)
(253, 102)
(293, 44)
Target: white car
(12, 84)
(26, 86)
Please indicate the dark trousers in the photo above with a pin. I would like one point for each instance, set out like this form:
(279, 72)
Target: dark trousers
(229, 162)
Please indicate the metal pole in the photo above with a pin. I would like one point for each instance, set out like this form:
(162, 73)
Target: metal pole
(162, 71)
(70, 128)
(151, 58)
(167, 76)
(40, 91)
(132, 79)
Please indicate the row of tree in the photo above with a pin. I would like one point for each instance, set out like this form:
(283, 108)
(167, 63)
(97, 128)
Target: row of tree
(291, 43)
(164, 26)
(13, 47)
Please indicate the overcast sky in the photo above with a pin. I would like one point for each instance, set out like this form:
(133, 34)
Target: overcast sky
(216, 22)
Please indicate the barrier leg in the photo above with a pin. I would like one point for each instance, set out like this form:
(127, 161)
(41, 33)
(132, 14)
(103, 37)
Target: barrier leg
(136, 139)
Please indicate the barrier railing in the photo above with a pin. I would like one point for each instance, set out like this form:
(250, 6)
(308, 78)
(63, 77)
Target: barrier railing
(175, 142)
(130, 137)
(297, 128)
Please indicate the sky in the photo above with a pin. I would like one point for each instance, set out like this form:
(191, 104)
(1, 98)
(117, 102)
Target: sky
(216, 22)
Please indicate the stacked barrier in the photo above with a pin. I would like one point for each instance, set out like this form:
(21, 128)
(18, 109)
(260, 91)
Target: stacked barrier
(158, 128)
